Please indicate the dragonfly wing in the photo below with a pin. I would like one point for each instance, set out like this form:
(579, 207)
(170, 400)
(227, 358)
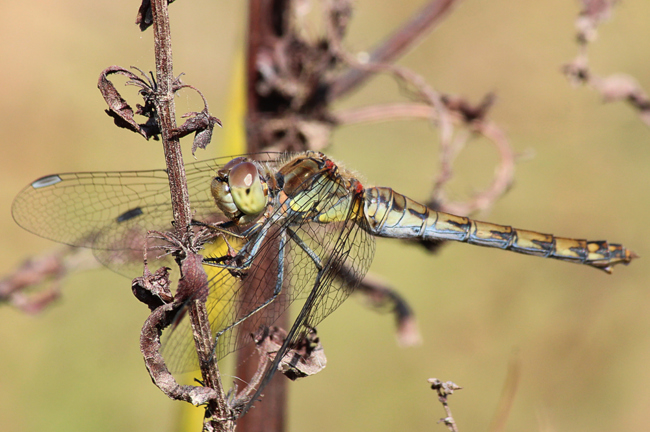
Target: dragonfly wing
(77, 208)
(346, 250)
(178, 347)
(111, 212)
(325, 259)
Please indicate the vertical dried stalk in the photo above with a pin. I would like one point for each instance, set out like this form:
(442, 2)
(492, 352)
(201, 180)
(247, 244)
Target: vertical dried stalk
(195, 277)
(167, 118)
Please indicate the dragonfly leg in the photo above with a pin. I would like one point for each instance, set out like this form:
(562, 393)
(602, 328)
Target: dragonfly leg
(245, 256)
(305, 248)
(220, 228)
(276, 290)
(298, 324)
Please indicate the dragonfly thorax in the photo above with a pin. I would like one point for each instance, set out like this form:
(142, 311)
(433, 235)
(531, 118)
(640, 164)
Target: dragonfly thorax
(239, 191)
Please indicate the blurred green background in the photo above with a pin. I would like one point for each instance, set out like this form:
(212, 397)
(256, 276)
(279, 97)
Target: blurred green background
(581, 337)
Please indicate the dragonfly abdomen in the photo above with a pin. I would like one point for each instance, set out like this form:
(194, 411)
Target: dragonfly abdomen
(391, 214)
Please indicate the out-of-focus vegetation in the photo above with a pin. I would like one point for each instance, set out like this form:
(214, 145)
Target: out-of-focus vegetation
(582, 338)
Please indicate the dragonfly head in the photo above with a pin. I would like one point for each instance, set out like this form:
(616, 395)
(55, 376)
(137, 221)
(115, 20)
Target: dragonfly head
(239, 189)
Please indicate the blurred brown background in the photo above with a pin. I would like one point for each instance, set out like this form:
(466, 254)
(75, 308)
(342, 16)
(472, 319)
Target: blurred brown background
(582, 338)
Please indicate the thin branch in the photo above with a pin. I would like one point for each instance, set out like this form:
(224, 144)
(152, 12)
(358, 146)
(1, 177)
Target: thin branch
(412, 31)
(616, 87)
(193, 283)
(44, 270)
(44, 273)
(444, 390)
(167, 118)
(380, 296)
(422, 90)
(459, 114)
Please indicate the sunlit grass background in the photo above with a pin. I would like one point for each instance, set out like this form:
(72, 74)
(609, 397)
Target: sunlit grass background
(581, 337)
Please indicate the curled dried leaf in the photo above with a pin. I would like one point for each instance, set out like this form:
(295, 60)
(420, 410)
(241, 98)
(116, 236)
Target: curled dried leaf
(121, 111)
(305, 357)
(381, 297)
(202, 124)
(144, 19)
(153, 289)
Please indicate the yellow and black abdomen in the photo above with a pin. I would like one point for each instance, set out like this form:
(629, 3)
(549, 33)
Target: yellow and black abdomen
(390, 214)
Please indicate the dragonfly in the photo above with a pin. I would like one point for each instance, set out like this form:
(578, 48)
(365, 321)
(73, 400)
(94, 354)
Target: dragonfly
(301, 221)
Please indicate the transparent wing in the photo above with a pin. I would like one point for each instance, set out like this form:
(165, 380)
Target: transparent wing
(320, 263)
(111, 212)
(348, 255)
(80, 209)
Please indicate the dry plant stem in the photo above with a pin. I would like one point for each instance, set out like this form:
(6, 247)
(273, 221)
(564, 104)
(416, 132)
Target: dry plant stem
(422, 88)
(46, 270)
(444, 390)
(616, 87)
(44, 273)
(445, 113)
(504, 173)
(150, 341)
(167, 118)
(181, 209)
(382, 296)
(396, 44)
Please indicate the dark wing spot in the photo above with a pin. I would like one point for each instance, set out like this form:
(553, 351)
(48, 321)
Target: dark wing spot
(46, 181)
(129, 214)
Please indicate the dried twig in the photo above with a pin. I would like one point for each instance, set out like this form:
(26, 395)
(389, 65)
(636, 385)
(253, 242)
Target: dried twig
(616, 87)
(446, 112)
(36, 283)
(419, 85)
(395, 45)
(381, 297)
(48, 270)
(192, 290)
(444, 390)
(459, 115)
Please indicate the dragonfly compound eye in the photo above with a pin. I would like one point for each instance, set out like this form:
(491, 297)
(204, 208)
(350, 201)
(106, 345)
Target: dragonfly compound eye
(231, 164)
(246, 188)
(221, 193)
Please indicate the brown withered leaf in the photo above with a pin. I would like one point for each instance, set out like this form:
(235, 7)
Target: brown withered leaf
(194, 282)
(144, 19)
(120, 110)
(202, 124)
(304, 358)
(153, 289)
(379, 296)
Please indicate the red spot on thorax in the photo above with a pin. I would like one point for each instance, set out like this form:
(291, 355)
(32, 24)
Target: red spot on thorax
(358, 187)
